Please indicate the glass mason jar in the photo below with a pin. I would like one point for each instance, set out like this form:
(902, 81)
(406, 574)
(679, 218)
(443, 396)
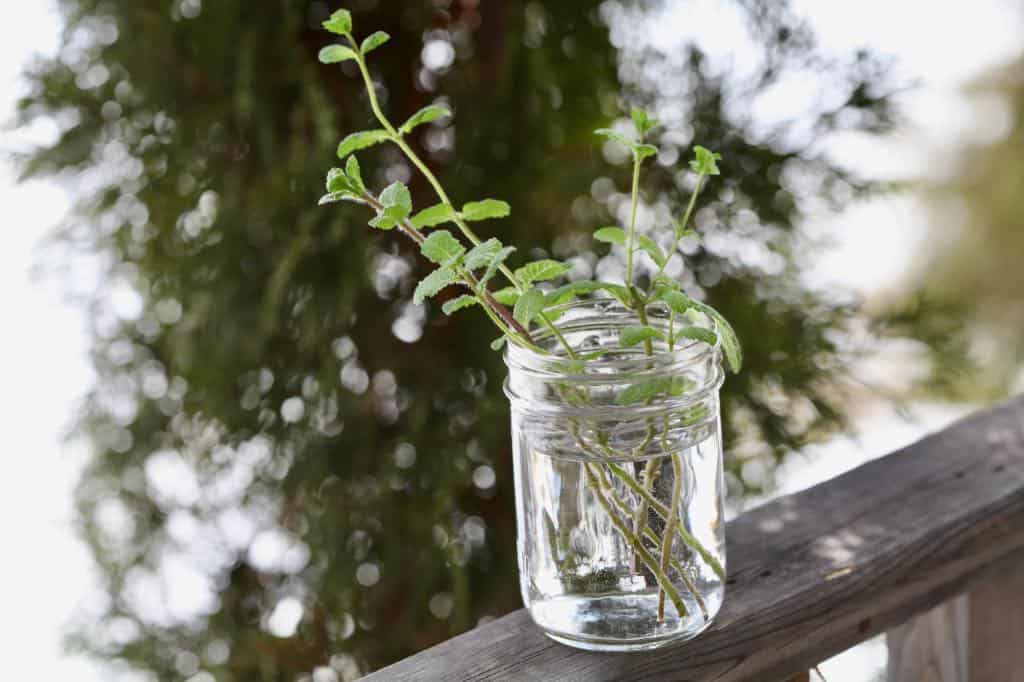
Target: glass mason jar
(619, 485)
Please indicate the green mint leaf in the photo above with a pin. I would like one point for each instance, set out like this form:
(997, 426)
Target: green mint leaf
(332, 197)
(337, 182)
(373, 41)
(433, 283)
(441, 247)
(435, 215)
(528, 306)
(618, 291)
(383, 221)
(611, 235)
(642, 121)
(704, 161)
(697, 334)
(362, 140)
(355, 177)
(652, 248)
(396, 200)
(642, 151)
(340, 22)
(540, 271)
(506, 296)
(559, 296)
(614, 135)
(498, 343)
(496, 263)
(482, 254)
(727, 335)
(332, 54)
(636, 333)
(676, 300)
(643, 391)
(424, 115)
(483, 210)
(455, 304)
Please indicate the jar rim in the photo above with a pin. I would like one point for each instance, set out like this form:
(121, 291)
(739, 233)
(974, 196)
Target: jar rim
(572, 317)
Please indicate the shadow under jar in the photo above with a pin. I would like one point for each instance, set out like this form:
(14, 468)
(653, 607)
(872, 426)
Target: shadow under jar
(619, 487)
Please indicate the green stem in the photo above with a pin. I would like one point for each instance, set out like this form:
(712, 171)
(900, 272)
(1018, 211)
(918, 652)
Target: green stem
(630, 241)
(413, 157)
(680, 228)
(670, 527)
(653, 538)
(632, 539)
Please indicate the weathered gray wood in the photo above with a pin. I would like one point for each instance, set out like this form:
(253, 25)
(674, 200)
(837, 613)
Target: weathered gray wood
(931, 647)
(995, 626)
(811, 574)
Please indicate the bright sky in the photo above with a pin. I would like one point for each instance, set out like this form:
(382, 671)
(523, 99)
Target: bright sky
(43, 353)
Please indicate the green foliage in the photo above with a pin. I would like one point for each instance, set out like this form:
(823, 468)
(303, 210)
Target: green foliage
(704, 162)
(638, 333)
(424, 115)
(453, 305)
(340, 22)
(433, 283)
(373, 41)
(441, 247)
(484, 210)
(483, 254)
(435, 215)
(528, 306)
(356, 141)
(541, 271)
(332, 54)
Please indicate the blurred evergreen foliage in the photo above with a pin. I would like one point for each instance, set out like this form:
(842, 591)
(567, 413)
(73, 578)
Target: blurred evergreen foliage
(280, 437)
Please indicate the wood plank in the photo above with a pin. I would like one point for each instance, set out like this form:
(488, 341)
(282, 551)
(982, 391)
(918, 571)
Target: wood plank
(995, 627)
(811, 574)
(931, 647)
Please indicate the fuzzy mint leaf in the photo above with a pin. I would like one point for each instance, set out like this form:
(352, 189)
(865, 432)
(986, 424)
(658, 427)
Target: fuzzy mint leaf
(642, 121)
(611, 235)
(540, 271)
(433, 283)
(373, 41)
(332, 54)
(704, 161)
(396, 200)
(652, 248)
(361, 140)
(332, 197)
(337, 181)
(697, 334)
(482, 254)
(615, 135)
(486, 209)
(506, 296)
(528, 306)
(441, 247)
(646, 390)
(453, 305)
(354, 175)
(727, 335)
(427, 114)
(383, 221)
(496, 263)
(642, 151)
(434, 215)
(340, 22)
(637, 333)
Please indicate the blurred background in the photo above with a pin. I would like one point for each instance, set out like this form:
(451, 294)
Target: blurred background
(237, 451)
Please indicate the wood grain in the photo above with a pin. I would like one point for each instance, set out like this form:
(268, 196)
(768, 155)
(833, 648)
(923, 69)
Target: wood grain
(931, 647)
(810, 574)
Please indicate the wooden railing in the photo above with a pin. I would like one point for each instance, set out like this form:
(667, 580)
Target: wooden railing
(926, 543)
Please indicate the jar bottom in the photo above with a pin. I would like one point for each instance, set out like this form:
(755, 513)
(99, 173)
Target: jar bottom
(619, 622)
